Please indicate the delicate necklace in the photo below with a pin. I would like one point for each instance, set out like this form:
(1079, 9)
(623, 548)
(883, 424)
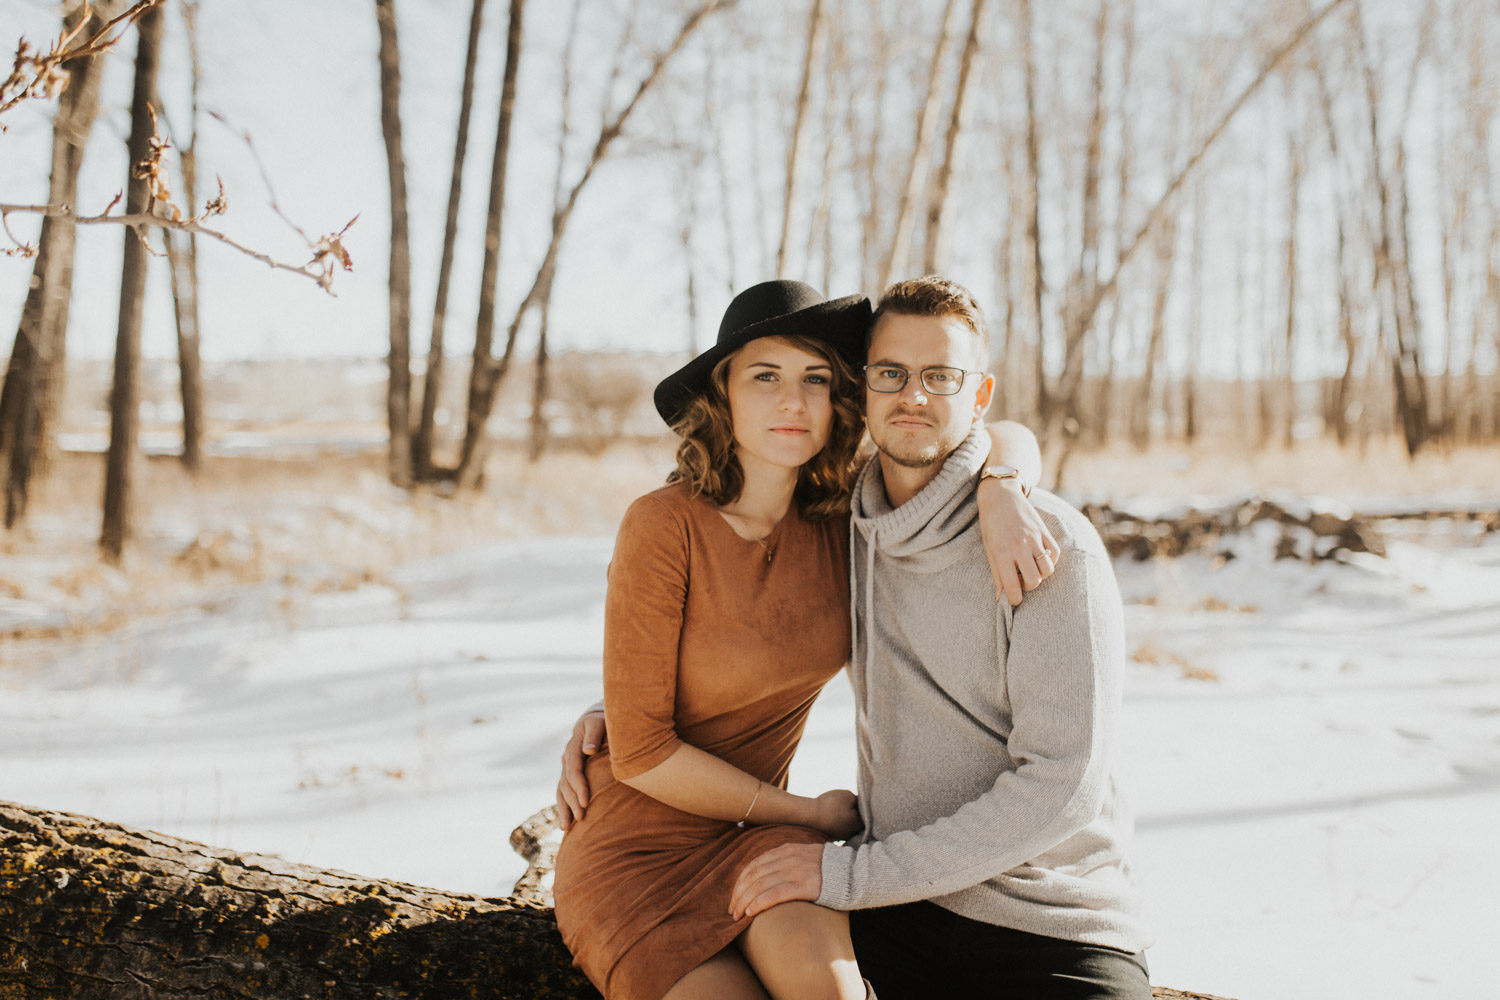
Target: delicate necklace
(758, 541)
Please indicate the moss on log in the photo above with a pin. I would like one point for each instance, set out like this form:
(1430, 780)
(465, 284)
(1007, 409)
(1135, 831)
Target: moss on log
(92, 910)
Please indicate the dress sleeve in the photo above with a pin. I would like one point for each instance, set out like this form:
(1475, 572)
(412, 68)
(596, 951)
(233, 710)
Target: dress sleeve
(643, 611)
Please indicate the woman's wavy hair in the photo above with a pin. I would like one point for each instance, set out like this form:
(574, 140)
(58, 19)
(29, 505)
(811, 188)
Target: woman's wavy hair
(706, 459)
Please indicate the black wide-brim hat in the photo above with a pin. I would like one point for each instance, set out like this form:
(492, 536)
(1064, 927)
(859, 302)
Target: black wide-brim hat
(770, 309)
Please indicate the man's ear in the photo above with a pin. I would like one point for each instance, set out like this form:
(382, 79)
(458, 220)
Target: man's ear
(984, 397)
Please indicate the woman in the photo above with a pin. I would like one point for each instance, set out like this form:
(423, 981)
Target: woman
(726, 613)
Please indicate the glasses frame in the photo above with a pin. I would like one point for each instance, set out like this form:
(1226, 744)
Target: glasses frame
(921, 374)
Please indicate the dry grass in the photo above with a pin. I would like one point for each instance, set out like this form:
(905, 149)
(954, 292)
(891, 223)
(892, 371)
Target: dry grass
(322, 523)
(309, 525)
(1314, 467)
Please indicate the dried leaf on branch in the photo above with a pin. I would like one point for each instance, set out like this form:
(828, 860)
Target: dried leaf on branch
(42, 76)
(153, 171)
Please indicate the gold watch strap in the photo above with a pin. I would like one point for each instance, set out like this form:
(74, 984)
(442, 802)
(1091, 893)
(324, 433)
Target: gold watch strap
(1005, 472)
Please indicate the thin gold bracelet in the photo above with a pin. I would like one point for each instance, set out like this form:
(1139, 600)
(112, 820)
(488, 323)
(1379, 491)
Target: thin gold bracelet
(758, 785)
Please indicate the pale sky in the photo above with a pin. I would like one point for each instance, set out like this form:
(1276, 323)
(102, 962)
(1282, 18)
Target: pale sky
(302, 77)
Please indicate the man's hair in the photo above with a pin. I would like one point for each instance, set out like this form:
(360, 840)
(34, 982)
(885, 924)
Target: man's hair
(939, 297)
(706, 458)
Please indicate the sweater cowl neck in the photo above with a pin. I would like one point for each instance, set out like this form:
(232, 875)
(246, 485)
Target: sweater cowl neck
(942, 511)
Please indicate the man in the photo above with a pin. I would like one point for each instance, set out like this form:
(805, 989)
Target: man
(992, 862)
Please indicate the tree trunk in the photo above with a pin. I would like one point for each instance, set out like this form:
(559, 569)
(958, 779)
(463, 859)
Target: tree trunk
(1140, 423)
(183, 254)
(937, 203)
(789, 204)
(433, 387)
(1196, 324)
(182, 251)
(1036, 284)
(1288, 381)
(482, 377)
(906, 209)
(539, 386)
(721, 171)
(398, 390)
(95, 911)
(124, 404)
(1077, 321)
(30, 397)
(472, 462)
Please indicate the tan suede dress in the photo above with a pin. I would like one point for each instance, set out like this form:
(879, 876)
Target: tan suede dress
(706, 642)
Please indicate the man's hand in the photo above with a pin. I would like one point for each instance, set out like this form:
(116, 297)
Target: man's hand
(573, 787)
(792, 871)
(1021, 551)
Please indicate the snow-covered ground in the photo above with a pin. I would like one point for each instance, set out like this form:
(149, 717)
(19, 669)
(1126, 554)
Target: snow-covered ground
(1313, 751)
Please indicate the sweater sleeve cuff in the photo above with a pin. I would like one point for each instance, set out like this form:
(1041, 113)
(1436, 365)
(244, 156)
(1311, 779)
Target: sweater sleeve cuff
(838, 876)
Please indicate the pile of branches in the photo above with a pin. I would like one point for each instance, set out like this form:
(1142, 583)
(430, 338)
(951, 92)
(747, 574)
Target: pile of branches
(1308, 534)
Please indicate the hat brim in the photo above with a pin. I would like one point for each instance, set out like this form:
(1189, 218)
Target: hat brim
(840, 323)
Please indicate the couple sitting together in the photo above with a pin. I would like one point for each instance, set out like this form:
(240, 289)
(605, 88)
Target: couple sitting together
(985, 854)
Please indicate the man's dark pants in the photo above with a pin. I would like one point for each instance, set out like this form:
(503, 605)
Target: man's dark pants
(917, 951)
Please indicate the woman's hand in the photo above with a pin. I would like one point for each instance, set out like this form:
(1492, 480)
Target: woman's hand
(1021, 551)
(573, 787)
(836, 813)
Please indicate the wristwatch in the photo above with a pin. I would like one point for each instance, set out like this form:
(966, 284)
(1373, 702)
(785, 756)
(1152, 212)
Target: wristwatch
(1005, 472)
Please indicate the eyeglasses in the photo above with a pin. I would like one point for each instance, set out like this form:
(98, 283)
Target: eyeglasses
(939, 380)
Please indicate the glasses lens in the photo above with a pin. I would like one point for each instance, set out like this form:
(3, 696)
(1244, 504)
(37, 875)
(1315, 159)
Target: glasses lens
(942, 381)
(885, 378)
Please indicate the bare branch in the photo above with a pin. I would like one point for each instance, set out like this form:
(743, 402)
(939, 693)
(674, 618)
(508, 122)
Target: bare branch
(265, 177)
(47, 78)
(329, 254)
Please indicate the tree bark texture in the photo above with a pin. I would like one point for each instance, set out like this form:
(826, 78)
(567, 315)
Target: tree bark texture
(124, 417)
(95, 911)
(34, 375)
(398, 390)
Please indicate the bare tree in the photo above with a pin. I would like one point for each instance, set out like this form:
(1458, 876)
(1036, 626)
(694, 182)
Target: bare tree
(182, 252)
(1295, 156)
(937, 202)
(124, 403)
(427, 428)
(398, 392)
(33, 379)
(1392, 259)
(1036, 280)
(564, 132)
(921, 155)
(1079, 317)
(814, 30)
(482, 376)
(471, 464)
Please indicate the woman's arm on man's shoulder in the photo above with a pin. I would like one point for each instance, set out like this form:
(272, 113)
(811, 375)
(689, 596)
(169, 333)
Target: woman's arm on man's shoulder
(1020, 548)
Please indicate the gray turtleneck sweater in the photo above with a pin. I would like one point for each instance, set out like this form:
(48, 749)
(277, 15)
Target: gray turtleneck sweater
(986, 734)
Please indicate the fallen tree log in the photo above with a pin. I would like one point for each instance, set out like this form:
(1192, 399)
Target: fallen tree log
(92, 910)
(1301, 531)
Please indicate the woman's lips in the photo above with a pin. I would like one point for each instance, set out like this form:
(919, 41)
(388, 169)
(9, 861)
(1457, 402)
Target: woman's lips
(789, 431)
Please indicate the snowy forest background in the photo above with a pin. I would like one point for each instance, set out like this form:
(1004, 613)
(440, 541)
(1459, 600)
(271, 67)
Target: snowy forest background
(320, 574)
